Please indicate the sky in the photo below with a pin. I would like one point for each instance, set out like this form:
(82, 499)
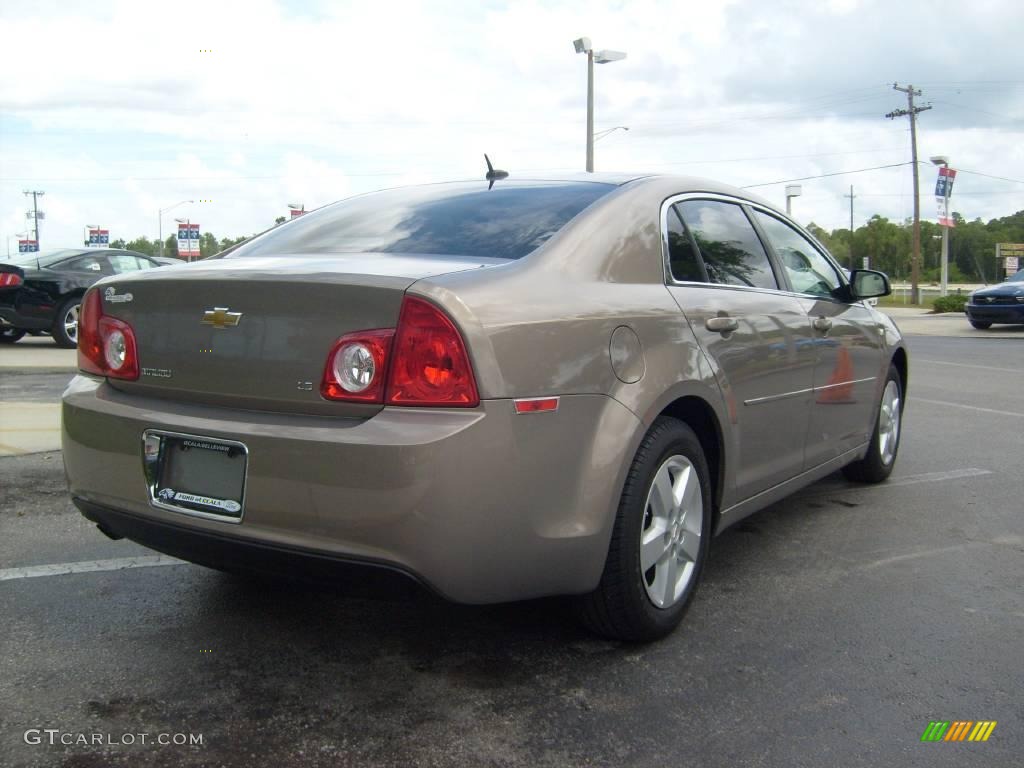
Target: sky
(119, 109)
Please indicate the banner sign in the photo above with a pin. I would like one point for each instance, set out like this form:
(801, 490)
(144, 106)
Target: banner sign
(296, 212)
(99, 238)
(28, 246)
(943, 191)
(188, 240)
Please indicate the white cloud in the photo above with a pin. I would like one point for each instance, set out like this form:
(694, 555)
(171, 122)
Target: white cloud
(123, 114)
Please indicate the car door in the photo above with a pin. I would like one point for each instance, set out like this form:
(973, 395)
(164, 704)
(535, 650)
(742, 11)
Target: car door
(847, 343)
(757, 337)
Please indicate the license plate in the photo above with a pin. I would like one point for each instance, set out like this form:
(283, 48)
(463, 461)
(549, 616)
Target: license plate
(196, 475)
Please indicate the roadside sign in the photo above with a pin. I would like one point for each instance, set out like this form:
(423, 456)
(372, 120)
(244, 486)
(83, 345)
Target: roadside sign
(28, 246)
(943, 191)
(188, 240)
(1011, 255)
(296, 212)
(99, 238)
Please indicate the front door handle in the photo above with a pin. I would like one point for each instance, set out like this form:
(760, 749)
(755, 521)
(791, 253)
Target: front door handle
(722, 324)
(822, 324)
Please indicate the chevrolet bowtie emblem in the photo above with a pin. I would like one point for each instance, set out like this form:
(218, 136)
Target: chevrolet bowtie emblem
(220, 317)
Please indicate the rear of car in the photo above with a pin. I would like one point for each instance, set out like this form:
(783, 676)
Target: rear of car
(316, 400)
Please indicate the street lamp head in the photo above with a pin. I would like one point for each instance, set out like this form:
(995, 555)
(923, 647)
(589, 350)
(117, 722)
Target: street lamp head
(182, 221)
(297, 206)
(603, 57)
(940, 159)
(582, 45)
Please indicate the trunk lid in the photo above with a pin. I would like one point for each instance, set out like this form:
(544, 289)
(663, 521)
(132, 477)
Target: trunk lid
(255, 333)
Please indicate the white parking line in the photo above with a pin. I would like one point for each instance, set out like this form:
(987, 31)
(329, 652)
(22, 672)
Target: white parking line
(967, 365)
(968, 407)
(88, 566)
(927, 477)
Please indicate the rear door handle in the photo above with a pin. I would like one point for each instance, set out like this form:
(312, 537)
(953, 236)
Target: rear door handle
(722, 324)
(822, 324)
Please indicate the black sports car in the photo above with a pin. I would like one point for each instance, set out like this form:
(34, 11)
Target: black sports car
(43, 291)
(1002, 303)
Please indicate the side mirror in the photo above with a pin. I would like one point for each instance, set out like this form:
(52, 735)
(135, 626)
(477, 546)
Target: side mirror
(868, 284)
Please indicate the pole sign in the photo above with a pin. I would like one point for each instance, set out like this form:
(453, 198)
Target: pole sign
(188, 240)
(1011, 254)
(943, 191)
(28, 246)
(99, 238)
(296, 212)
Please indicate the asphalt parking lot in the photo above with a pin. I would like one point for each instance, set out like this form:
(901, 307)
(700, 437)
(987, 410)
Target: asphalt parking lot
(830, 629)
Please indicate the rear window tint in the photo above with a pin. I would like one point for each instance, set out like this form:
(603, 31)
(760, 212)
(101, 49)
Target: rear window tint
(460, 219)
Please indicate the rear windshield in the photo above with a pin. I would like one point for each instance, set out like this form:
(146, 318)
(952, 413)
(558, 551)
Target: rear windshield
(44, 259)
(458, 219)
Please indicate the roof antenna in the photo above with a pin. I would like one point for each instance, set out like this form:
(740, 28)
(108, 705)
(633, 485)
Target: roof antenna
(493, 175)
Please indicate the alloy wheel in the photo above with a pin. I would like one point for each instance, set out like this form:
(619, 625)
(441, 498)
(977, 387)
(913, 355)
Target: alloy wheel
(670, 535)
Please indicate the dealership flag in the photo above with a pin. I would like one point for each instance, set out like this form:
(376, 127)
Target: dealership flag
(99, 238)
(943, 191)
(188, 240)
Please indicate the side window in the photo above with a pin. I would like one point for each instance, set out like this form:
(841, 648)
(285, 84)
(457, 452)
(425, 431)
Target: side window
(83, 264)
(728, 244)
(808, 270)
(683, 260)
(123, 262)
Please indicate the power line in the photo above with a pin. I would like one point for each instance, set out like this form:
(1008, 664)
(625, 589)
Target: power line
(826, 175)
(990, 176)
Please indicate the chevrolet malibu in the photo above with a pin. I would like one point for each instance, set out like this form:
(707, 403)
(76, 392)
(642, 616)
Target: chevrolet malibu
(548, 387)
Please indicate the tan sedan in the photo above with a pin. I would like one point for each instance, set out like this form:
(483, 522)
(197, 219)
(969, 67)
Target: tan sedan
(548, 387)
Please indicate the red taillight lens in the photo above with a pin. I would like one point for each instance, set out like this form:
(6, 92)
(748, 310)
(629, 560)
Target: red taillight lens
(9, 280)
(430, 365)
(106, 345)
(422, 362)
(357, 367)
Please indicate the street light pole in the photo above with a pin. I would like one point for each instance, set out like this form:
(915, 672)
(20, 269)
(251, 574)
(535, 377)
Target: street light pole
(160, 226)
(792, 190)
(942, 160)
(583, 45)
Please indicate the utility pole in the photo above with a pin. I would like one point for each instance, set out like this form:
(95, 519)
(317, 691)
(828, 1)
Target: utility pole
(851, 196)
(36, 194)
(915, 258)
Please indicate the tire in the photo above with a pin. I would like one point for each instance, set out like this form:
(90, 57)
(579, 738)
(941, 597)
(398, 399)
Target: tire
(65, 323)
(636, 605)
(877, 465)
(11, 335)
(981, 325)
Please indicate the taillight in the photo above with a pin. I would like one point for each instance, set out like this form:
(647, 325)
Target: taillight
(106, 345)
(422, 362)
(9, 279)
(357, 367)
(431, 365)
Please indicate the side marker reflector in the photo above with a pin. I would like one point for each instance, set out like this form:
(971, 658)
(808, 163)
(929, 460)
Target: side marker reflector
(536, 404)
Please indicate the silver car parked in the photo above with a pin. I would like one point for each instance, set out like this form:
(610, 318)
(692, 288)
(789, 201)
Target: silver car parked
(534, 387)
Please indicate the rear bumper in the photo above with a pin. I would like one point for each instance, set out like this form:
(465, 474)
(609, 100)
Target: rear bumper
(9, 316)
(482, 505)
(996, 313)
(234, 554)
